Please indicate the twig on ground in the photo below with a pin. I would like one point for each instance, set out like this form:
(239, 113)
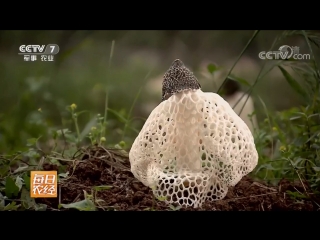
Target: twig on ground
(262, 186)
(77, 197)
(240, 198)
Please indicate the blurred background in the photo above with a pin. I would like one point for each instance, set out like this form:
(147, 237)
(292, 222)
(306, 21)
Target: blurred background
(128, 65)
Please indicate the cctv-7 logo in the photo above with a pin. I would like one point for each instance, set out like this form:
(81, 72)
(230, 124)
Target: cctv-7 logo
(52, 47)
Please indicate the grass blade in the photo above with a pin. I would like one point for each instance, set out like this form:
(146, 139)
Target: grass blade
(107, 92)
(130, 112)
(293, 83)
(111, 52)
(121, 118)
(269, 121)
(260, 76)
(245, 48)
(313, 59)
(240, 80)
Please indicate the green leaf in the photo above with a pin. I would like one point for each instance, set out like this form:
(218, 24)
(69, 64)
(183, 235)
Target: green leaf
(26, 180)
(63, 175)
(27, 201)
(212, 68)
(314, 115)
(2, 199)
(302, 114)
(11, 207)
(240, 80)
(62, 169)
(294, 118)
(31, 142)
(174, 208)
(317, 169)
(102, 187)
(161, 198)
(87, 128)
(312, 137)
(117, 146)
(11, 189)
(30, 203)
(315, 146)
(121, 118)
(84, 205)
(54, 135)
(63, 131)
(296, 194)
(23, 169)
(40, 207)
(4, 170)
(68, 153)
(293, 83)
(19, 182)
(34, 156)
(266, 166)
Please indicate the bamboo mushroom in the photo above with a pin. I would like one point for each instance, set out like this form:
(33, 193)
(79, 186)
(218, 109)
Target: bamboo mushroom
(193, 146)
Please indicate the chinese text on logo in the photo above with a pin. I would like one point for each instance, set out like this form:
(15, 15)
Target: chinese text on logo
(46, 53)
(43, 184)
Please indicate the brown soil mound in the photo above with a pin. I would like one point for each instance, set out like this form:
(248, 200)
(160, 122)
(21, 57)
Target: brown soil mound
(99, 166)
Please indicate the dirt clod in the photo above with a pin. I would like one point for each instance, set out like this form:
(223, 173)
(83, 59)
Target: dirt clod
(103, 167)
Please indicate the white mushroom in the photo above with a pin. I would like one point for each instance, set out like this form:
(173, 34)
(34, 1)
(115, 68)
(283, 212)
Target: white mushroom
(193, 146)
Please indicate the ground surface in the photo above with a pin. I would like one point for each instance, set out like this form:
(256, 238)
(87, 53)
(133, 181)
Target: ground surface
(97, 167)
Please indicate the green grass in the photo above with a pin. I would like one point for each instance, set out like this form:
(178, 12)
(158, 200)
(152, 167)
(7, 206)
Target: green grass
(67, 108)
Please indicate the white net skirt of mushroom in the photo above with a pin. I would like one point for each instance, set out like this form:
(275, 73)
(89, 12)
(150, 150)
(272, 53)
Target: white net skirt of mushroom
(186, 188)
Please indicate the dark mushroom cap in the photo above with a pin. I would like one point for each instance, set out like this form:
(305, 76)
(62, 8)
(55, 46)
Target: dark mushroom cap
(177, 79)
